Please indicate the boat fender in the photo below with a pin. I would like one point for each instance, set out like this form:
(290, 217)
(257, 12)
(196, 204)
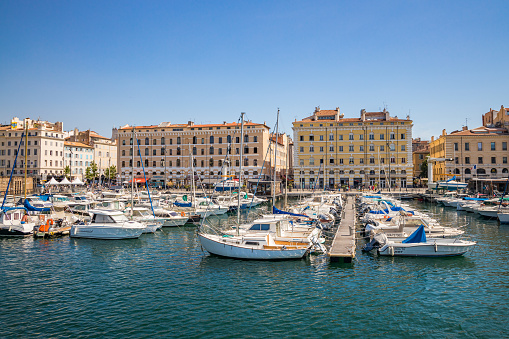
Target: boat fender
(182, 214)
(391, 251)
(436, 247)
(283, 248)
(51, 233)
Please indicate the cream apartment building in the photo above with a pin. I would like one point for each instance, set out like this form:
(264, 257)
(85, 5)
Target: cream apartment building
(167, 149)
(44, 149)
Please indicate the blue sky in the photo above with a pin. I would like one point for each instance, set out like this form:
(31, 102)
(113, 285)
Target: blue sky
(102, 64)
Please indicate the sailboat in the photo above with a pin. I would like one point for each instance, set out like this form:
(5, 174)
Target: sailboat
(260, 243)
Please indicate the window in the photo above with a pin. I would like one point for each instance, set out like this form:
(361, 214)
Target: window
(492, 145)
(331, 137)
(255, 139)
(321, 162)
(351, 161)
(228, 139)
(371, 160)
(340, 137)
(246, 150)
(178, 140)
(392, 136)
(219, 151)
(456, 160)
(195, 140)
(311, 138)
(467, 160)
(211, 139)
(146, 151)
(504, 145)
(331, 148)
(361, 149)
(237, 140)
(301, 149)
(479, 146)
(467, 146)
(211, 162)
(350, 148)
(311, 148)
(382, 148)
(340, 148)
(350, 136)
(301, 162)
(321, 137)
(220, 140)
(202, 151)
(455, 146)
(195, 151)
(361, 161)
(403, 160)
(361, 137)
(382, 137)
(311, 161)
(246, 138)
(163, 141)
(371, 136)
(403, 148)
(402, 136)
(211, 150)
(371, 148)
(321, 148)
(493, 160)
(255, 150)
(479, 160)
(331, 161)
(392, 147)
(504, 160)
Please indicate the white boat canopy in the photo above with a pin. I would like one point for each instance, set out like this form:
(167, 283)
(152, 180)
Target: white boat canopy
(64, 182)
(53, 182)
(77, 181)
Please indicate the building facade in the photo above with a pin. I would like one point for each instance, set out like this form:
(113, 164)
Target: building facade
(420, 153)
(479, 153)
(167, 149)
(104, 149)
(333, 151)
(44, 149)
(78, 156)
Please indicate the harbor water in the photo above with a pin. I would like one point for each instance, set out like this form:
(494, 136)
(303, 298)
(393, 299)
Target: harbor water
(164, 285)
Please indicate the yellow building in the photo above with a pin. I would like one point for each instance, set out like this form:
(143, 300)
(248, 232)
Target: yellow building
(331, 150)
(477, 153)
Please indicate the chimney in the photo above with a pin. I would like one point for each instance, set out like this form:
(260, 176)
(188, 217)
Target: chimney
(432, 138)
(465, 128)
(444, 132)
(190, 123)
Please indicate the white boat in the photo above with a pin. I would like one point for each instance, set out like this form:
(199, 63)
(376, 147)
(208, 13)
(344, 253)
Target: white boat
(226, 185)
(452, 185)
(108, 224)
(416, 245)
(143, 215)
(251, 246)
(14, 223)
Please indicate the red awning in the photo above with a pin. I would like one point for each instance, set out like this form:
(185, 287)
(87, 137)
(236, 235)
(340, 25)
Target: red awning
(140, 180)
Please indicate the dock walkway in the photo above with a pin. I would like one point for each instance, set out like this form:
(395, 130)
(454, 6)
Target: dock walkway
(343, 245)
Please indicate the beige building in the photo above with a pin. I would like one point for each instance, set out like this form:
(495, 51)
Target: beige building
(44, 149)
(334, 151)
(166, 150)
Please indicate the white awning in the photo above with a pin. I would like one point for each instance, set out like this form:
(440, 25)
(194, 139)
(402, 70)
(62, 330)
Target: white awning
(77, 181)
(52, 182)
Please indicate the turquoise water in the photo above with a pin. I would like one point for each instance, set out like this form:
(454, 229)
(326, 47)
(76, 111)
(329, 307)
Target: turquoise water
(164, 285)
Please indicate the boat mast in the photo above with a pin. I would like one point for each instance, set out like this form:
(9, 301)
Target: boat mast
(240, 167)
(132, 172)
(275, 167)
(192, 177)
(287, 164)
(26, 142)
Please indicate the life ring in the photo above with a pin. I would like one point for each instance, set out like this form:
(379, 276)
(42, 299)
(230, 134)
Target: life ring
(183, 214)
(385, 217)
(49, 222)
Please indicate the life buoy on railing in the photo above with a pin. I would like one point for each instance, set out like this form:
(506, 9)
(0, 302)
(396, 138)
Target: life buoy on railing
(183, 214)
(49, 222)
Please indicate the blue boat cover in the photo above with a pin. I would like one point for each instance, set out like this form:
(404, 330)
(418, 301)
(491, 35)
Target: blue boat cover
(475, 199)
(180, 204)
(373, 196)
(418, 236)
(385, 211)
(29, 207)
(278, 211)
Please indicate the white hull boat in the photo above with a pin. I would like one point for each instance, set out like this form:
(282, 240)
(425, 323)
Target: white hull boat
(434, 248)
(250, 247)
(503, 217)
(110, 225)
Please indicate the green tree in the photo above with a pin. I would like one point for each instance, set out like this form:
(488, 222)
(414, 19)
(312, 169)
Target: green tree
(424, 169)
(67, 171)
(111, 172)
(91, 172)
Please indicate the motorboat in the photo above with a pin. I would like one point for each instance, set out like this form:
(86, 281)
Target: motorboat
(503, 217)
(108, 224)
(226, 185)
(143, 215)
(416, 245)
(14, 222)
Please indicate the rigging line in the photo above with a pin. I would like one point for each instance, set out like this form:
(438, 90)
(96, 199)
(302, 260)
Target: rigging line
(145, 177)
(12, 171)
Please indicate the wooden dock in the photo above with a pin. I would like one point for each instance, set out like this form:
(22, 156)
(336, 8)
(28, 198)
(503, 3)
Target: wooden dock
(343, 245)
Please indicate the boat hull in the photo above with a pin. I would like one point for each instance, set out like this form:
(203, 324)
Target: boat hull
(214, 245)
(107, 233)
(431, 249)
(504, 218)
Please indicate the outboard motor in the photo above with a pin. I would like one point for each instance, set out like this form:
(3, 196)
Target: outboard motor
(378, 241)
